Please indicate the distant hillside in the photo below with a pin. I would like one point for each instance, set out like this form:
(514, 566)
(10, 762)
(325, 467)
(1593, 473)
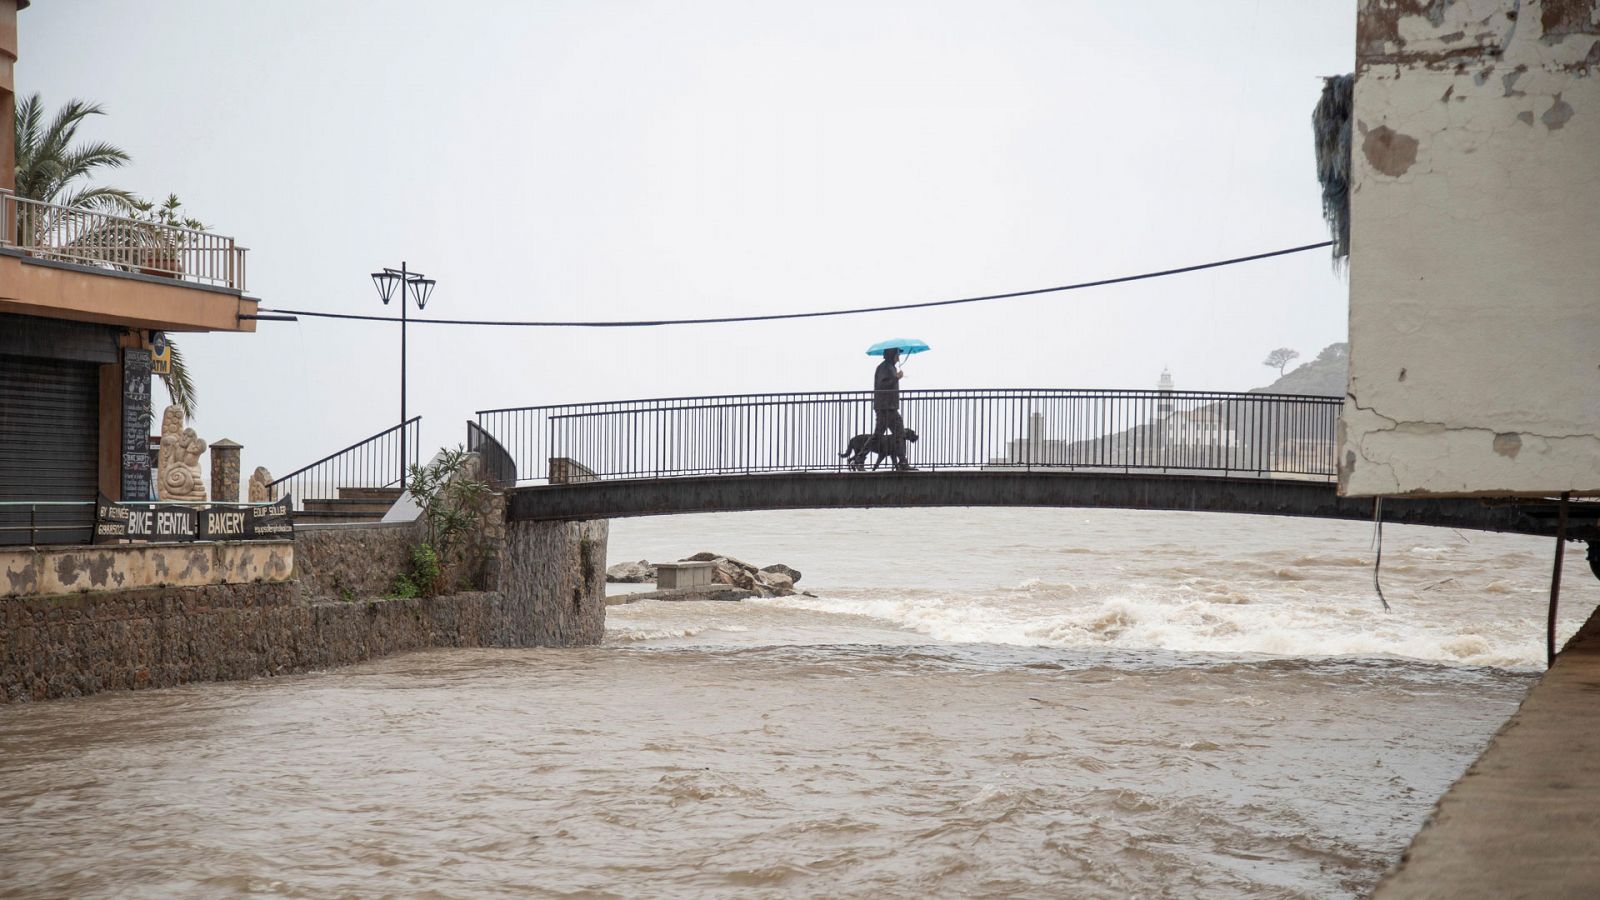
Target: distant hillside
(1324, 376)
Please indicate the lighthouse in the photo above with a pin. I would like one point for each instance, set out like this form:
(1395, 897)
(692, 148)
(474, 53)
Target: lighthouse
(1164, 403)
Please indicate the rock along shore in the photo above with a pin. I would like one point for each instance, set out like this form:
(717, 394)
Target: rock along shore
(727, 575)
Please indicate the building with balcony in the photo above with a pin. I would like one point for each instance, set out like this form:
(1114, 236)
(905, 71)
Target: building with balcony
(84, 296)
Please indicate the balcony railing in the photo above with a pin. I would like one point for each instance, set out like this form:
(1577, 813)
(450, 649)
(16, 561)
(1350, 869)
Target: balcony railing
(119, 243)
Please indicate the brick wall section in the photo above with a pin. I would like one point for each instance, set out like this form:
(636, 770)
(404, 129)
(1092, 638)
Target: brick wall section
(551, 593)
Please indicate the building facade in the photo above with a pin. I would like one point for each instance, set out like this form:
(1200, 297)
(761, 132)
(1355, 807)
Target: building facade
(1475, 250)
(84, 296)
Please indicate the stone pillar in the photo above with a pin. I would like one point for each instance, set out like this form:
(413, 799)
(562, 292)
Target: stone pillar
(553, 576)
(225, 471)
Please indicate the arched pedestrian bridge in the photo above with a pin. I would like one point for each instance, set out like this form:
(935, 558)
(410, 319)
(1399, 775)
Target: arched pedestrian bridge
(1264, 454)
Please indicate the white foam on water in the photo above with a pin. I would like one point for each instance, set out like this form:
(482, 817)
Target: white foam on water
(624, 635)
(1181, 621)
(1114, 579)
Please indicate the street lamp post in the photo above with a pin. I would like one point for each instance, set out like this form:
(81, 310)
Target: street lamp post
(389, 282)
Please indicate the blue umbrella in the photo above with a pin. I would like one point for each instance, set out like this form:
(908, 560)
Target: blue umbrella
(906, 346)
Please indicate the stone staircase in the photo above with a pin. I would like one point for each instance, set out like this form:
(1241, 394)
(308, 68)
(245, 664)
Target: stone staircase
(352, 505)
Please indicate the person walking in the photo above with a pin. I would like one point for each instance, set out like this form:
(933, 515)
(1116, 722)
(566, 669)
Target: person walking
(886, 408)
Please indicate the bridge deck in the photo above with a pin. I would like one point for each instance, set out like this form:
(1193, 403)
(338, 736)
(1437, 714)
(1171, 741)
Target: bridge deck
(621, 498)
(1265, 454)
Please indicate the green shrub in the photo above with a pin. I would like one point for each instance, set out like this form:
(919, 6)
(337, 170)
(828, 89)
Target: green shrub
(404, 588)
(426, 572)
(454, 501)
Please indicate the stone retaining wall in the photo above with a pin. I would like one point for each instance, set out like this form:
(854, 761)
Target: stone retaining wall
(337, 561)
(551, 592)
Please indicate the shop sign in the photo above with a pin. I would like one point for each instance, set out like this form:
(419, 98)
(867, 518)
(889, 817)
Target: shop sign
(160, 354)
(164, 523)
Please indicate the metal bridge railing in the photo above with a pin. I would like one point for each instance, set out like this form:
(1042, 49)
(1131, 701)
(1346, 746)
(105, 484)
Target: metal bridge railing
(499, 469)
(1179, 431)
(373, 462)
(104, 240)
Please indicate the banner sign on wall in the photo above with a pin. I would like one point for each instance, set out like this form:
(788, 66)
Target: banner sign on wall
(274, 520)
(172, 523)
(143, 522)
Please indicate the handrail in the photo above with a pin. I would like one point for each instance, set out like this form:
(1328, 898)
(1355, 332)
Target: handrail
(5, 503)
(107, 240)
(1262, 434)
(911, 393)
(330, 456)
(372, 462)
(498, 467)
(194, 503)
(74, 518)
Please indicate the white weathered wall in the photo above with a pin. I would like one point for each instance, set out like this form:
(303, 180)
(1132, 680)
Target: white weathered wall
(1475, 254)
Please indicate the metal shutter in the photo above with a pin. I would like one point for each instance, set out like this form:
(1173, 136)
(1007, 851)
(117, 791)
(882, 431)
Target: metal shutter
(49, 447)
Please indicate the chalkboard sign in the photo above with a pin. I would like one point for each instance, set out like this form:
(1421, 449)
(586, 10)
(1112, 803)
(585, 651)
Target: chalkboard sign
(136, 483)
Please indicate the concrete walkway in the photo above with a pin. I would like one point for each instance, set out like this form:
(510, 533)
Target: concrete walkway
(1525, 819)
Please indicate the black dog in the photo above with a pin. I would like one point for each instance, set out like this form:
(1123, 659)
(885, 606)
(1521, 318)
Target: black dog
(862, 444)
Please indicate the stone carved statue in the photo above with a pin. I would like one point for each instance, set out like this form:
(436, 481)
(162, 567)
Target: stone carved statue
(171, 424)
(171, 420)
(179, 460)
(261, 486)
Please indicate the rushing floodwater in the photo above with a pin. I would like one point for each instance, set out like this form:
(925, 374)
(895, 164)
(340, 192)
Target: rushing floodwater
(977, 703)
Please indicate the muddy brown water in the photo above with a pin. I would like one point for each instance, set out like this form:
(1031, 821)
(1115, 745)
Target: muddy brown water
(978, 703)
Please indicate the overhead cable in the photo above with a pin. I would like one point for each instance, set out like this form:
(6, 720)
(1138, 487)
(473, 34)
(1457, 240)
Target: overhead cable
(721, 320)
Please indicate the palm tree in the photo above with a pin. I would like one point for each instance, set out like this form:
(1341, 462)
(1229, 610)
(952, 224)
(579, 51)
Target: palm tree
(180, 390)
(48, 164)
(50, 169)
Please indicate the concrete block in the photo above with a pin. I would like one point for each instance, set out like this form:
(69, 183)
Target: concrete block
(673, 576)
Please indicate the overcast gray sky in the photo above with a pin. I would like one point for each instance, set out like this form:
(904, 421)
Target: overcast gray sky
(620, 160)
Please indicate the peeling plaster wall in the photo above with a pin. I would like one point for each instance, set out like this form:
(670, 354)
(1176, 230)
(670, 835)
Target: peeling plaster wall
(31, 571)
(1475, 255)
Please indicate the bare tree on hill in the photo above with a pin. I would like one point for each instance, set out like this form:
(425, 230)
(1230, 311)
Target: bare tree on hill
(1280, 358)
